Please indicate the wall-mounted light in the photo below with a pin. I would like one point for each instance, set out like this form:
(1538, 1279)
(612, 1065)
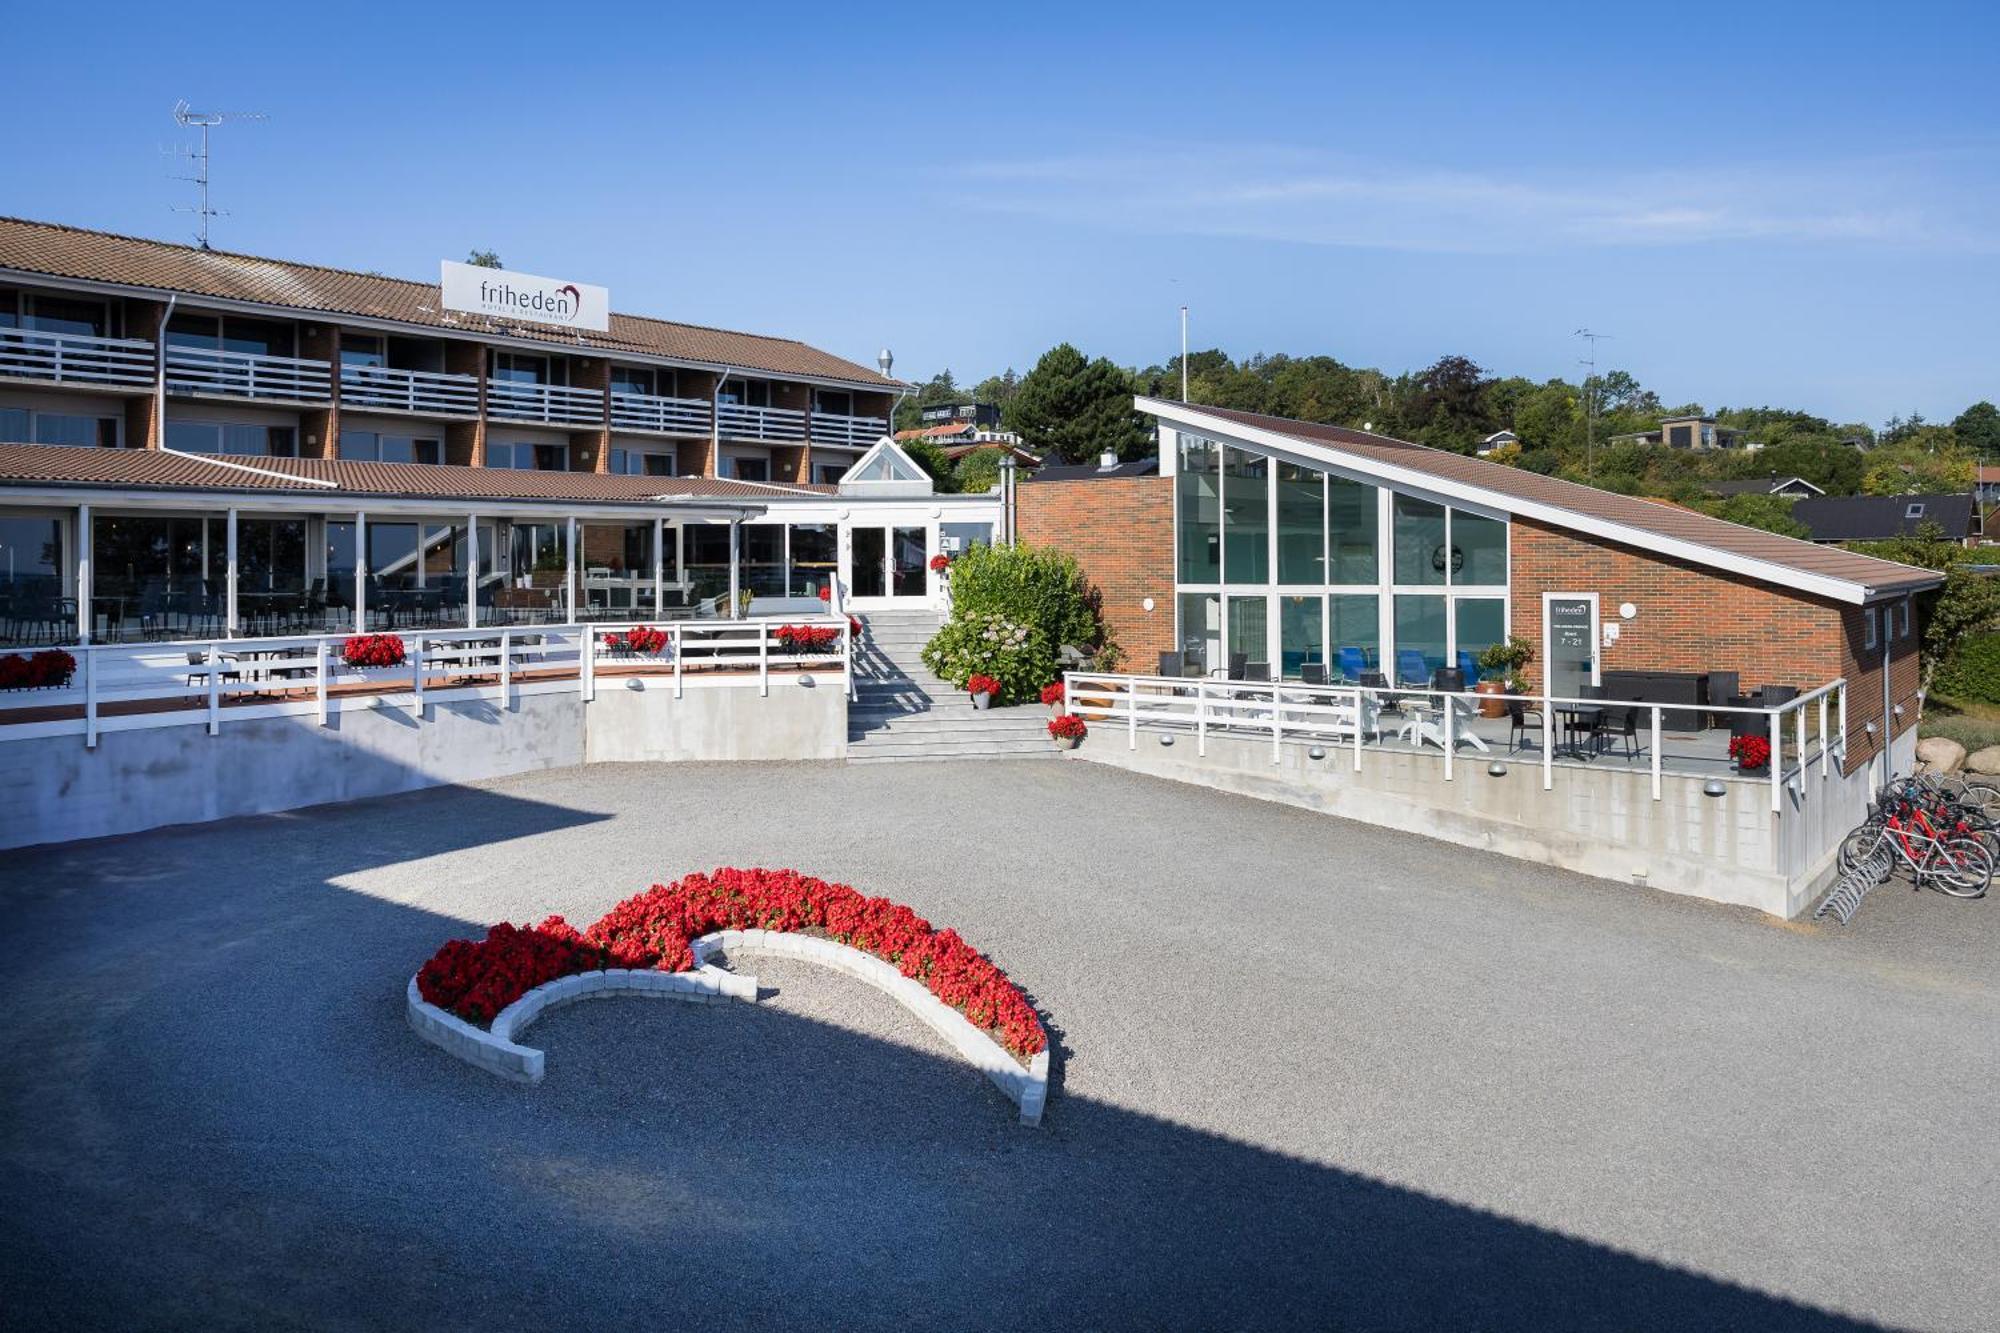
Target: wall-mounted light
(1626, 610)
(1715, 787)
(1146, 603)
(1496, 769)
(1317, 752)
(1166, 740)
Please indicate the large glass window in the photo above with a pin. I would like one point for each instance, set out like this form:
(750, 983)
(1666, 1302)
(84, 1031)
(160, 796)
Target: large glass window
(617, 561)
(815, 558)
(78, 431)
(1479, 549)
(708, 561)
(1354, 628)
(1420, 637)
(1351, 531)
(1198, 499)
(159, 575)
(1301, 525)
(373, 447)
(1421, 555)
(1480, 622)
(1249, 629)
(1246, 517)
(32, 565)
(1300, 638)
(1201, 628)
(955, 539)
(232, 437)
(642, 462)
(762, 547)
(15, 427)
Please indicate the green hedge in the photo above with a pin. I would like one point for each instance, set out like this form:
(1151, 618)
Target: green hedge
(1973, 672)
(1033, 586)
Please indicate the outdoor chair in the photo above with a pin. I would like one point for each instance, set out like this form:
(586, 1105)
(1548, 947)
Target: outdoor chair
(1237, 662)
(1353, 664)
(1468, 667)
(1256, 671)
(1722, 687)
(1411, 669)
(1312, 673)
(1522, 721)
(1617, 723)
(1170, 664)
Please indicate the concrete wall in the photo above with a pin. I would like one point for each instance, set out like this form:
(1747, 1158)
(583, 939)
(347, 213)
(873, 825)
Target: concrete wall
(1602, 822)
(53, 789)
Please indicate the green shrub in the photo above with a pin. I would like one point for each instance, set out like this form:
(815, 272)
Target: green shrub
(1972, 672)
(1017, 655)
(1031, 586)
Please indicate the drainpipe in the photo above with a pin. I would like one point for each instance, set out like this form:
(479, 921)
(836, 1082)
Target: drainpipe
(715, 423)
(160, 374)
(1888, 719)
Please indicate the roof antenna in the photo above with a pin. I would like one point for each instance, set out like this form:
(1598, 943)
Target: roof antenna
(205, 121)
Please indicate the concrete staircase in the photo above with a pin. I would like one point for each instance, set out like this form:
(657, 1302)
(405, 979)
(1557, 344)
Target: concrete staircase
(902, 712)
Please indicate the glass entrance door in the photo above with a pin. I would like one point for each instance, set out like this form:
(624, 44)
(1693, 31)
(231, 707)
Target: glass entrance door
(1569, 642)
(889, 563)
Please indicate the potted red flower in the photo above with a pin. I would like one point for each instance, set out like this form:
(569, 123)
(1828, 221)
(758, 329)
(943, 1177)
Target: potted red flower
(983, 689)
(940, 563)
(1068, 731)
(1751, 753)
(1052, 695)
(373, 650)
(639, 641)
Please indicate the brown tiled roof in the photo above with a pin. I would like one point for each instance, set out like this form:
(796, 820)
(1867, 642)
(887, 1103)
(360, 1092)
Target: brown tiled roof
(1644, 516)
(73, 252)
(32, 464)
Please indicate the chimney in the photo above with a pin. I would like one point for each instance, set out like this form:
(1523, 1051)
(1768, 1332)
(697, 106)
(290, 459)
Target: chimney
(1106, 461)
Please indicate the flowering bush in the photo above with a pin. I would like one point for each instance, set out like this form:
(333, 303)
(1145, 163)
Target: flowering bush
(372, 650)
(1068, 727)
(476, 979)
(1052, 693)
(49, 669)
(940, 563)
(826, 592)
(1750, 752)
(807, 638)
(982, 684)
(1018, 656)
(642, 639)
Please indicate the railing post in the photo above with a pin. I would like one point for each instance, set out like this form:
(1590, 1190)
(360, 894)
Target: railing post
(1799, 744)
(1822, 736)
(586, 670)
(1449, 712)
(1777, 761)
(1201, 715)
(1548, 744)
(1277, 719)
(1131, 712)
(319, 678)
(680, 655)
(89, 697)
(1360, 715)
(1656, 752)
(506, 668)
(214, 691)
(417, 674)
(763, 660)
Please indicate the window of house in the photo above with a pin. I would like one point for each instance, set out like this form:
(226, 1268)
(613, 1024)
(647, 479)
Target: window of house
(632, 379)
(517, 368)
(61, 314)
(836, 402)
(375, 447)
(643, 462)
(1868, 628)
(828, 474)
(20, 425)
(256, 337)
(1903, 619)
(10, 310)
(746, 393)
(1913, 511)
(750, 469)
(232, 437)
(363, 349)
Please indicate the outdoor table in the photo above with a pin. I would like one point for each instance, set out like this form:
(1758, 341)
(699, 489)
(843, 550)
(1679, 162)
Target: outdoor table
(1577, 718)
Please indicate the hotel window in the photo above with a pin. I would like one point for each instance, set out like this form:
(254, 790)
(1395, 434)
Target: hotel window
(363, 349)
(1198, 505)
(1246, 517)
(834, 402)
(517, 368)
(1352, 523)
(32, 548)
(59, 314)
(633, 379)
(746, 393)
(1903, 619)
(369, 446)
(256, 337)
(815, 556)
(18, 425)
(528, 457)
(231, 437)
(828, 474)
(1421, 553)
(749, 469)
(1301, 525)
(1868, 628)
(643, 462)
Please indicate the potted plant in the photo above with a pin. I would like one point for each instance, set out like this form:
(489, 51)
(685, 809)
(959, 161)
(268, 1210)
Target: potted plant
(1751, 753)
(1500, 673)
(1068, 731)
(940, 563)
(373, 650)
(982, 688)
(1052, 695)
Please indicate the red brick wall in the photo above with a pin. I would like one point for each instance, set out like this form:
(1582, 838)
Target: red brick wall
(1121, 530)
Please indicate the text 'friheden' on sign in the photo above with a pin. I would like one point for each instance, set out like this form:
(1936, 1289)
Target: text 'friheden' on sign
(502, 294)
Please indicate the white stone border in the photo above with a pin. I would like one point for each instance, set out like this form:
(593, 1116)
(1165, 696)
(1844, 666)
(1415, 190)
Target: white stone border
(497, 1052)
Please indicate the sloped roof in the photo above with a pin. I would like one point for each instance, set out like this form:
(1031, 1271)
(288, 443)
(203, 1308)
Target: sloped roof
(1872, 518)
(150, 469)
(1670, 529)
(55, 250)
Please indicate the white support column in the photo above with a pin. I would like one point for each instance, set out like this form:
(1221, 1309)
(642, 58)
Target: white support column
(1822, 737)
(89, 698)
(1777, 759)
(1548, 742)
(569, 574)
(659, 567)
(1361, 704)
(360, 572)
(230, 622)
(472, 571)
(319, 678)
(1448, 715)
(506, 668)
(86, 621)
(1656, 752)
(735, 545)
(1799, 744)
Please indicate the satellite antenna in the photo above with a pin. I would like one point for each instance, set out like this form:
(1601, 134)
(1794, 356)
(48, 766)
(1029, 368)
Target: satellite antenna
(1590, 402)
(204, 121)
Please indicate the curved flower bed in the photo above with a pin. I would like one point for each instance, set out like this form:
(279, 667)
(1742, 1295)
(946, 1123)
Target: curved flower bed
(656, 930)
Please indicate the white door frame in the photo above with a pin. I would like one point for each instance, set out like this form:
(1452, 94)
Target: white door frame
(888, 601)
(1596, 631)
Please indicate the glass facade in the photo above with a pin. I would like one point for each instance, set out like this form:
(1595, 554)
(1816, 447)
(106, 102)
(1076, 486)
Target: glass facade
(1282, 563)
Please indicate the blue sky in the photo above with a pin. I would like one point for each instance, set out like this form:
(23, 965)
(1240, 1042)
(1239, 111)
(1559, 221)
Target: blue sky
(1781, 204)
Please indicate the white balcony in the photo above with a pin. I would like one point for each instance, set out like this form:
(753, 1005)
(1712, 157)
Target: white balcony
(659, 416)
(71, 358)
(422, 391)
(768, 425)
(208, 372)
(858, 432)
(551, 403)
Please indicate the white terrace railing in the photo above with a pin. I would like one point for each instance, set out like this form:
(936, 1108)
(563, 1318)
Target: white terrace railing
(776, 425)
(409, 390)
(212, 372)
(861, 432)
(659, 416)
(70, 358)
(128, 687)
(553, 403)
(1350, 717)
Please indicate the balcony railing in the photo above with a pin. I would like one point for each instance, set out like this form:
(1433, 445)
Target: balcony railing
(212, 372)
(552, 403)
(661, 416)
(861, 432)
(409, 390)
(73, 358)
(773, 425)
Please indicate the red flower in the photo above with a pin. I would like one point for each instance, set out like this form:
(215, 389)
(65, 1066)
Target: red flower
(1750, 752)
(807, 638)
(476, 979)
(940, 563)
(373, 650)
(639, 639)
(1052, 693)
(1067, 727)
(49, 669)
(826, 592)
(983, 684)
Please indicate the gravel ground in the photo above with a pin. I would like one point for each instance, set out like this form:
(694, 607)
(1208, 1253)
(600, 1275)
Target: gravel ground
(1310, 1073)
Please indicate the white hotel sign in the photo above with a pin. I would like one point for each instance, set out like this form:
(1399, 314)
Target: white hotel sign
(503, 294)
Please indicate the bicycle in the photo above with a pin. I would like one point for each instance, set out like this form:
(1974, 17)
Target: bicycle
(1916, 825)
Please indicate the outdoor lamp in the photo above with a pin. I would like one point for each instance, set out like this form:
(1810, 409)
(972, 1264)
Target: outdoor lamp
(1317, 752)
(1166, 740)
(1714, 787)
(1496, 769)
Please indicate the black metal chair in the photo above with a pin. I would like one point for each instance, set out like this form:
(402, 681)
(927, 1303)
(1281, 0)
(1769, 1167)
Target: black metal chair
(1522, 721)
(1237, 662)
(1617, 723)
(1312, 673)
(1259, 671)
(1170, 664)
(1722, 687)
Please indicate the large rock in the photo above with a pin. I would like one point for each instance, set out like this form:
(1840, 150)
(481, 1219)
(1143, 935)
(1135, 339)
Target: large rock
(1940, 754)
(1985, 761)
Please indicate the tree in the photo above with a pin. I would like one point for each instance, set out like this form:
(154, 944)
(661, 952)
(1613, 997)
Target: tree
(1967, 602)
(1772, 513)
(1925, 460)
(979, 471)
(1978, 429)
(1550, 417)
(1446, 405)
(484, 259)
(926, 455)
(1071, 407)
(939, 390)
(998, 390)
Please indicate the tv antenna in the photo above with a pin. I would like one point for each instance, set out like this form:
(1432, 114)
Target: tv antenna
(204, 121)
(1590, 402)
